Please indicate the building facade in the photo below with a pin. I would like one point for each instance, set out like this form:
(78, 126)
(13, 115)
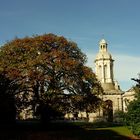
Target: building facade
(115, 99)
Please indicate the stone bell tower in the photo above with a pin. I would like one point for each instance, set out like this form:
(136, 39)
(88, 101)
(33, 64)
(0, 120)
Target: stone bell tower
(104, 71)
(104, 67)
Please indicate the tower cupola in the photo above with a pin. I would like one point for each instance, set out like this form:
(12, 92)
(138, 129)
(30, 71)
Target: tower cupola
(103, 45)
(104, 66)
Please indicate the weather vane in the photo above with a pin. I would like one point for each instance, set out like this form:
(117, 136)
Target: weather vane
(103, 36)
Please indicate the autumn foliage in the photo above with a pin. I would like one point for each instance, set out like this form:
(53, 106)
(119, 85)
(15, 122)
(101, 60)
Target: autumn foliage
(49, 70)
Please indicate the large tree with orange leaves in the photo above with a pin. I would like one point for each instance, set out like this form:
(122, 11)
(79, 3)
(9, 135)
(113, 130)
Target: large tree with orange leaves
(48, 66)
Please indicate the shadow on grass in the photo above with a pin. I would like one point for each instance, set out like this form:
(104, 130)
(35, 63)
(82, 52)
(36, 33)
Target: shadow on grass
(56, 131)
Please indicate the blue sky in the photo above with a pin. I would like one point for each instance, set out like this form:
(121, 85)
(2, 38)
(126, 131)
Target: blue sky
(82, 21)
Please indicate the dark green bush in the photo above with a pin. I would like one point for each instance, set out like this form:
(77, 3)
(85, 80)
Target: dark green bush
(132, 118)
(119, 117)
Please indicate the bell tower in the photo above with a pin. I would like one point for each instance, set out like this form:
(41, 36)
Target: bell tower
(112, 96)
(104, 66)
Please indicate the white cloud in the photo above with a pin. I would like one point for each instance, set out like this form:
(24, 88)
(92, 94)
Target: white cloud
(126, 67)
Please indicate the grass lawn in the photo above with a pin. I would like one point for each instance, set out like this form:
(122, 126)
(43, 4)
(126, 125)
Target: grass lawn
(66, 131)
(121, 130)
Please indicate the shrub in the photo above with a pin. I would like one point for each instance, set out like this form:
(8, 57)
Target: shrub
(132, 117)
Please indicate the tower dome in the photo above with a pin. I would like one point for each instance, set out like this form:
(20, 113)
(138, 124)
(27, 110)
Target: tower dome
(103, 41)
(103, 53)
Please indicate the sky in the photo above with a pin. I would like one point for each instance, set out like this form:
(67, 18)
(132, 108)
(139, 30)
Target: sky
(85, 22)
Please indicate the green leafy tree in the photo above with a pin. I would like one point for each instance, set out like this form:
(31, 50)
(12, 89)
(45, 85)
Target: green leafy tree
(132, 116)
(47, 69)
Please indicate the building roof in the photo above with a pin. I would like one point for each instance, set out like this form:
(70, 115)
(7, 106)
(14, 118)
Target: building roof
(103, 41)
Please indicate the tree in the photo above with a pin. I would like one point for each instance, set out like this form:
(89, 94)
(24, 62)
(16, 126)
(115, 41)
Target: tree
(47, 69)
(7, 102)
(132, 116)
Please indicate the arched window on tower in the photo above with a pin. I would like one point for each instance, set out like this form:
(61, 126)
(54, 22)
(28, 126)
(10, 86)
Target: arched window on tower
(100, 72)
(101, 47)
(111, 71)
(105, 72)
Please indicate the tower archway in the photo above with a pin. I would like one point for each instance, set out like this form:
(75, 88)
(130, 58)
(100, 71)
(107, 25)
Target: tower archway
(108, 110)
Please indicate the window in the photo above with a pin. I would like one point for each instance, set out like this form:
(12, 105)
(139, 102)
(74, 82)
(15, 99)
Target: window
(105, 71)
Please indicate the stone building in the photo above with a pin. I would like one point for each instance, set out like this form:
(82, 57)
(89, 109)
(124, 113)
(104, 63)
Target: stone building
(128, 96)
(115, 99)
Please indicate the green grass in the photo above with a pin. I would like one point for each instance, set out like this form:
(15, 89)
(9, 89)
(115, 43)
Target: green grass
(117, 132)
(113, 129)
(121, 130)
(67, 131)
